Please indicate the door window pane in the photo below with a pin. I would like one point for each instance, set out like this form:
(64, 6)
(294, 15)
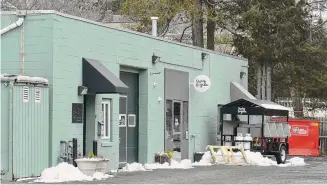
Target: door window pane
(106, 111)
(107, 125)
(169, 114)
(185, 120)
(131, 120)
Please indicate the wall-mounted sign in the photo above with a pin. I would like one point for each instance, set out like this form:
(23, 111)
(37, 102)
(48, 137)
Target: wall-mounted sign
(77, 112)
(155, 73)
(202, 83)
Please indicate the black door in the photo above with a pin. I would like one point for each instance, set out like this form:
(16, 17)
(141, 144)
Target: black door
(129, 132)
(122, 130)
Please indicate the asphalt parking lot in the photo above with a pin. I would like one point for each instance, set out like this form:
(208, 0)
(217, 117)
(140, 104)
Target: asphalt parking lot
(313, 173)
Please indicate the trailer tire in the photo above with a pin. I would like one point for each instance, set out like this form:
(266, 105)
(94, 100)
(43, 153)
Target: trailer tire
(281, 155)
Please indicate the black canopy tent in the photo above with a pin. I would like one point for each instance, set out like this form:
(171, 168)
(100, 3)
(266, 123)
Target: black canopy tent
(252, 107)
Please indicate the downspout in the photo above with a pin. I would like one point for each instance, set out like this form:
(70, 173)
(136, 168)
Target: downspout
(11, 132)
(14, 25)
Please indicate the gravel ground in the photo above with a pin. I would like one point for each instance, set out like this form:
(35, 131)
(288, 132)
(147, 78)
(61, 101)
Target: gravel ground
(313, 173)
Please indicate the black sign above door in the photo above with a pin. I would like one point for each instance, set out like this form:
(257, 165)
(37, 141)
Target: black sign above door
(77, 112)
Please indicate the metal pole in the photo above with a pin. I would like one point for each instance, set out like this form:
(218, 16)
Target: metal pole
(287, 136)
(221, 127)
(262, 131)
(84, 126)
(74, 151)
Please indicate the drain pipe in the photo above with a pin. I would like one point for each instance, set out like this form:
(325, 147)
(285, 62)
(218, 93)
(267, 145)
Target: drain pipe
(14, 25)
(154, 26)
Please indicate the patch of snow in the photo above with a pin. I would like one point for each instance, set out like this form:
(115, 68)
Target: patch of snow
(88, 159)
(133, 167)
(274, 106)
(100, 176)
(295, 161)
(25, 179)
(22, 78)
(253, 158)
(184, 164)
(65, 172)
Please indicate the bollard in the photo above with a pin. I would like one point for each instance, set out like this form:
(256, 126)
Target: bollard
(95, 147)
(74, 151)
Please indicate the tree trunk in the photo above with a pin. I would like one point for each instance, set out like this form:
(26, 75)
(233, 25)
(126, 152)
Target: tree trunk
(297, 104)
(197, 26)
(259, 77)
(211, 26)
(268, 67)
(263, 83)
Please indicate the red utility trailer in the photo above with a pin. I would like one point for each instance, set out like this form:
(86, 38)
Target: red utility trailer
(304, 138)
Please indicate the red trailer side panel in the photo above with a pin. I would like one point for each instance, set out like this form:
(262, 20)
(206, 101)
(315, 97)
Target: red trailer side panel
(304, 139)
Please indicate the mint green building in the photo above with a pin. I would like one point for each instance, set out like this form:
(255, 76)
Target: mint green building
(128, 91)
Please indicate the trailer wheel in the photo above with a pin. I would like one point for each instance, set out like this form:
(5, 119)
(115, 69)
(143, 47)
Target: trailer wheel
(281, 156)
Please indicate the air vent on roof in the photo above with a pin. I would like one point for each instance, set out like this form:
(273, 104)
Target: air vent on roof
(37, 95)
(25, 94)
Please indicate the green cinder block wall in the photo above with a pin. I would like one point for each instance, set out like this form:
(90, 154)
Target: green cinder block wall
(58, 47)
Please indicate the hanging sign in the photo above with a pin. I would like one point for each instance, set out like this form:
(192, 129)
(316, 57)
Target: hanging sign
(202, 83)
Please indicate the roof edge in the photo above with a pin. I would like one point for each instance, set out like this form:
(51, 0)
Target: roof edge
(120, 29)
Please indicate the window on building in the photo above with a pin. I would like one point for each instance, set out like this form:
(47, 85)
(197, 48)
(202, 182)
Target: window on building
(106, 110)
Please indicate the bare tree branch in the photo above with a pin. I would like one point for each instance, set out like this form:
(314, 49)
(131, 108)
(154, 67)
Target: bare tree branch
(181, 38)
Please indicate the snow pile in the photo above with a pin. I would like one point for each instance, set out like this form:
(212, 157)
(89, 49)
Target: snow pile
(184, 164)
(65, 172)
(133, 167)
(253, 158)
(25, 179)
(295, 161)
(206, 159)
(100, 176)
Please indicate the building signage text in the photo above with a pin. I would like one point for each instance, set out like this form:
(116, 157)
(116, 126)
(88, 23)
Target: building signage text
(202, 83)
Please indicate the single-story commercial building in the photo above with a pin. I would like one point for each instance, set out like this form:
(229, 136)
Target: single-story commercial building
(65, 77)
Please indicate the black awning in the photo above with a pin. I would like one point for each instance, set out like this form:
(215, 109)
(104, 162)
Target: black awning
(254, 107)
(99, 80)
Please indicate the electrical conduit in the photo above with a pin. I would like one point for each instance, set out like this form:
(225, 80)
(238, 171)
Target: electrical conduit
(14, 25)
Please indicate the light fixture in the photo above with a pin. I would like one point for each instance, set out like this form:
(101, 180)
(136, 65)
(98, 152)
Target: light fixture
(204, 55)
(82, 90)
(242, 74)
(155, 59)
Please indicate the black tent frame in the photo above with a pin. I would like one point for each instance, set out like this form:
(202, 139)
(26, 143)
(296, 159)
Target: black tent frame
(250, 107)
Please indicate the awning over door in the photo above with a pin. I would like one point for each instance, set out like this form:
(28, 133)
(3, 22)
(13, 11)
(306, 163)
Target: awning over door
(99, 80)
